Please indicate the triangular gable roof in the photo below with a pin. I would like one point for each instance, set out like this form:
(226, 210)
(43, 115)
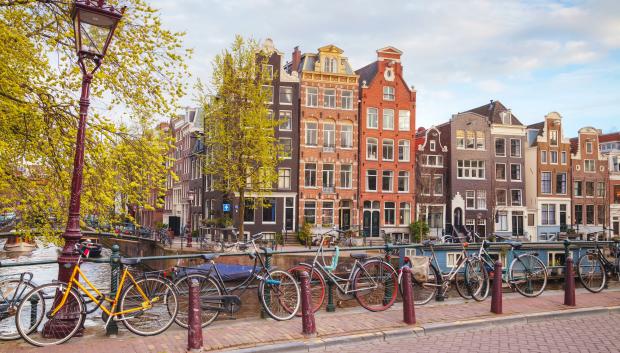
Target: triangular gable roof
(492, 112)
(330, 48)
(389, 49)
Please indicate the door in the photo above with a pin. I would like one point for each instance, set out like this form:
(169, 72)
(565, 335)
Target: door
(517, 224)
(371, 218)
(562, 217)
(345, 214)
(174, 222)
(458, 217)
(616, 228)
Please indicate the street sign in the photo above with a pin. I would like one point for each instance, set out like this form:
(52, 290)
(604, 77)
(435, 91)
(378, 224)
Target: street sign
(226, 207)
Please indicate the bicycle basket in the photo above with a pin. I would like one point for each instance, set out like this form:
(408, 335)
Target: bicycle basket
(420, 267)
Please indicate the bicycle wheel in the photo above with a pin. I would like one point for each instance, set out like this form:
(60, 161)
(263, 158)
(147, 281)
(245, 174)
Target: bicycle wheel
(375, 285)
(33, 319)
(477, 278)
(279, 294)
(208, 287)
(12, 291)
(461, 284)
(153, 318)
(591, 271)
(317, 285)
(529, 275)
(423, 290)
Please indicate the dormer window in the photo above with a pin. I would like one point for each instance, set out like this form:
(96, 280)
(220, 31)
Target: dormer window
(553, 137)
(331, 65)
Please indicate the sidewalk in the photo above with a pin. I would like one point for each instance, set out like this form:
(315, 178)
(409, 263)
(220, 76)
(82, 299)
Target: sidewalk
(345, 325)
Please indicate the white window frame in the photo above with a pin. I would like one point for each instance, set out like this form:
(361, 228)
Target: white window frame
(346, 101)
(374, 122)
(367, 176)
(404, 116)
(405, 145)
(520, 197)
(327, 98)
(385, 144)
(375, 142)
(284, 180)
(389, 93)
(280, 92)
(520, 179)
(388, 117)
(312, 97)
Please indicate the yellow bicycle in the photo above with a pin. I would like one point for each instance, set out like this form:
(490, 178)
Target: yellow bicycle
(147, 306)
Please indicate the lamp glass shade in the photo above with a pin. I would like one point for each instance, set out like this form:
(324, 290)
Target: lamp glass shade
(93, 30)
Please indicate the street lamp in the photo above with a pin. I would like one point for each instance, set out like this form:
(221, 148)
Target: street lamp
(94, 25)
(190, 198)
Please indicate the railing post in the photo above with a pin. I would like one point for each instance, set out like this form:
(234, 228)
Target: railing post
(331, 306)
(569, 286)
(388, 289)
(194, 332)
(496, 298)
(408, 304)
(307, 312)
(115, 269)
(268, 253)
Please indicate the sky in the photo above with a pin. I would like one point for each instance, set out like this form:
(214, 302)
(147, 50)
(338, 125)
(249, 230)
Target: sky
(533, 56)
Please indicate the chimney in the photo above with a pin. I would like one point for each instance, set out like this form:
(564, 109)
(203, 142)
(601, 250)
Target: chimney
(296, 59)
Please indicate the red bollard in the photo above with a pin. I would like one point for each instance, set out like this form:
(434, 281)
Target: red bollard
(307, 314)
(569, 286)
(496, 299)
(194, 333)
(408, 303)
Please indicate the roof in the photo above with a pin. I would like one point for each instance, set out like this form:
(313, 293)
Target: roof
(574, 145)
(612, 137)
(493, 110)
(368, 72)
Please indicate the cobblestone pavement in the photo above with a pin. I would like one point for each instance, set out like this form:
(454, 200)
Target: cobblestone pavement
(595, 333)
(227, 334)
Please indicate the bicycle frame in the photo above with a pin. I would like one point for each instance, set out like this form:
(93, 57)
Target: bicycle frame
(513, 254)
(447, 277)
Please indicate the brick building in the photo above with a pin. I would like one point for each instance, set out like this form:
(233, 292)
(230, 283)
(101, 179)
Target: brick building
(589, 173)
(386, 136)
(328, 153)
(548, 187)
(610, 147)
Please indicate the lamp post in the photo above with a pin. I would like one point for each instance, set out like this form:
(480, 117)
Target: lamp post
(94, 25)
(190, 198)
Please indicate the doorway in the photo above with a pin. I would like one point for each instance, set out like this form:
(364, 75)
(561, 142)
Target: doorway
(372, 215)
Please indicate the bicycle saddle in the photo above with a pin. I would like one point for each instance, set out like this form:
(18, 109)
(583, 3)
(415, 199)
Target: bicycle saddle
(209, 257)
(130, 261)
(515, 244)
(359, 256)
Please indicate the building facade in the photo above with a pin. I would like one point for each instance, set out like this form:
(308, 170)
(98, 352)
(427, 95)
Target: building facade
(386, 136)
(589, 173)
(548, 186)
(328, 151)
(610, 147)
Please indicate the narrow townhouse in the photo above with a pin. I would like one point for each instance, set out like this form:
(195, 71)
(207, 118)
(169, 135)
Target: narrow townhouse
(610, 147)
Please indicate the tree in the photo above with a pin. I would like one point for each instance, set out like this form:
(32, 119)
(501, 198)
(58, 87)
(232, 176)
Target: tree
(240, 143)
(143, 76)
(418, 230)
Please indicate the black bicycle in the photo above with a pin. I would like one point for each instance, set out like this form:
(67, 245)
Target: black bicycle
(278, 291)
(13, 288)
(594, 267)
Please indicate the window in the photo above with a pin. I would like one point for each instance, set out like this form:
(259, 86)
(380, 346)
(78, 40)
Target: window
(470, 143)
(404, 120)
(248, 215)
(543, 157)
(387, 181)
(553, 137)
(311, 133)
(328, 213)
(589, 188)
(403, 150)
(310, 212)
(286, 95)
(404, 214)
(403, 181)
(500, 171)
(329, 98)
(515, 148)
(432, 161)
(329, 136)
(480, 140)
(589, 214)
(578, 191)
(502, 221)
(554, 157)
(600, 189)
(600, 214)
(588, 165)
(371, 148)
(560, 183)
(371, 180)
(500, 147)
(453, 258)
(312, 97)
(500, 197)
(284, 178)
(388, 150)
(330, 65)
(515, 172)
(310, 175)
(588, 147)
(389, 213)
(460, 139)
(269, 71)
(346, 176)
(545, 182)
(467, 169)
(578, 214)
(425, 185)
(481, 200)
(372, 116)
(268, 91)
(388, 119)
(269, 211)
(516, 199)
(470, 199)
(346, 136)
(388, 93)
(286, 120)
(438, 185)
(548, 214)
(432, 145)
(328, 177)
(287, 147)
(347, 100)
(530, 219)
(563, 157)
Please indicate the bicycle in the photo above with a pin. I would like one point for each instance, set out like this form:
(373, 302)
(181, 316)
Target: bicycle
(428, 281)
(527, 274)
(593, 267)
(146, 306)
(371, 281)
(12, 290)
(278, 292)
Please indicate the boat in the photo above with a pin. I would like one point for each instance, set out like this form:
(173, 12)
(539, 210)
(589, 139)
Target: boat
(18, 244)
(94, 249)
